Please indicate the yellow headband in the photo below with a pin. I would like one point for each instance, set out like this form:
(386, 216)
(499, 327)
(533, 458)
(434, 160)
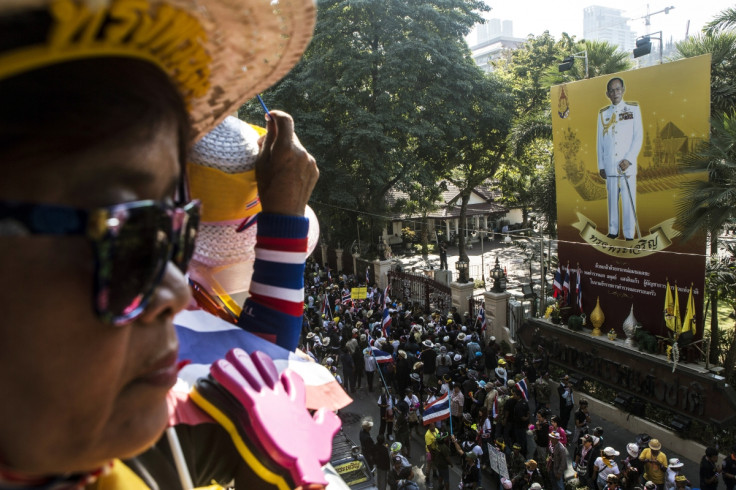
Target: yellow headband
(169, 38)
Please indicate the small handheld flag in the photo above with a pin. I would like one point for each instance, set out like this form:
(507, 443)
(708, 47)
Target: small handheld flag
(437, 410)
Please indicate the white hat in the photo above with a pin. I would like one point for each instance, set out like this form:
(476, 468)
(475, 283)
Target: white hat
(609, 451)
(675, 463)
(493, 339)
(633, 449)
(458, 358)
(464, 328)
(461, 337)
(428, 343)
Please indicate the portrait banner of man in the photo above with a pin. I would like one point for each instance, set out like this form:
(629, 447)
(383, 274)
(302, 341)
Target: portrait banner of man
(618, 154)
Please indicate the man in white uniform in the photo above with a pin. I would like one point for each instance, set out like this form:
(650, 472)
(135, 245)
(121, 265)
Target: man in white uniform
(620, 137)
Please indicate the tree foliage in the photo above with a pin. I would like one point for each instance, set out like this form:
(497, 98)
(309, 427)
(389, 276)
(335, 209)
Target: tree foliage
(378, 97)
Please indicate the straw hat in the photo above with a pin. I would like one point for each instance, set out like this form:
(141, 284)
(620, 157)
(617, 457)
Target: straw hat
(218, 53)
(655, 445)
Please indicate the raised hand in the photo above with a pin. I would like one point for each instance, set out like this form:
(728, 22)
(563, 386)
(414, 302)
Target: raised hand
(285, 171)
(276, 405)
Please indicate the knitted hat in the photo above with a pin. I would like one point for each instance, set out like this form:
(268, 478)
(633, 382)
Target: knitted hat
(221, 174)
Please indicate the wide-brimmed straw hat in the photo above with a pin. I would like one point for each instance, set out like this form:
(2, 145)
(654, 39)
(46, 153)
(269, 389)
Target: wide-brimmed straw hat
(218, 53)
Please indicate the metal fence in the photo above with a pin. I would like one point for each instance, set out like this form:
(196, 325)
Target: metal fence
(419, 290)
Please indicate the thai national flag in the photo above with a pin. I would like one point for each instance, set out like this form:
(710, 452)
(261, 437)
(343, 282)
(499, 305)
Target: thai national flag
(557, 284)
(566, 287)
(381, 356)
(386, 299)
(367, 276)
(482, 319)
(523, 388)
(437, 410)
(204, 338)
(345, 295)
(495, 408)
(579, 291)
(386, 323)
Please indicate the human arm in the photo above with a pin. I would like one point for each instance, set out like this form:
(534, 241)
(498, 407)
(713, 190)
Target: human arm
(286, 175)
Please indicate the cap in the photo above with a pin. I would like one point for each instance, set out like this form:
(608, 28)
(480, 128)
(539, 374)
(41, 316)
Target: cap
(535, 486)
(395, 447)
(554, 435)
(609, 451)
(530, 463)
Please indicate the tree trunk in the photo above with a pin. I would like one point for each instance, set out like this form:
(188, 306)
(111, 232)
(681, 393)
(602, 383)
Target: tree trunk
(714, 333)
(425, 238)
(461, 231)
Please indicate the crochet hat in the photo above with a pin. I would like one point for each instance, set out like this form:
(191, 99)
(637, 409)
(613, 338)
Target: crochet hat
(221, 173)
(218, 53)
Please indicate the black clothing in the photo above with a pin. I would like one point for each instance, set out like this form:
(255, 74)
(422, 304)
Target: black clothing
(429, 358)
(367, 446)
(729, 466)
(707, 471)
(381, 457)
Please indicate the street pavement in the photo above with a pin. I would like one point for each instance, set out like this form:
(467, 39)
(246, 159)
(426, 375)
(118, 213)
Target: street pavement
(365, 403)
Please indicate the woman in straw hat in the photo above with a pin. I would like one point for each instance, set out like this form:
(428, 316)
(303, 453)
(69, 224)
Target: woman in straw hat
(100, 101)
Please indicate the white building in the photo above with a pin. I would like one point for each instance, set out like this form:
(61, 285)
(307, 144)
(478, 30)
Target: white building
(608, 24)
(492, 41)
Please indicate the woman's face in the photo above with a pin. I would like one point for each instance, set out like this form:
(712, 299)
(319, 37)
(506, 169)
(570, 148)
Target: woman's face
(78, 392)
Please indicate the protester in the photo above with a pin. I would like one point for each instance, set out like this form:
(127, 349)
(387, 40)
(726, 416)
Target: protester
(605, 465)
(98, 112)
(382, 460)
(674, 468)
(655, 463)
(709, 471)
(529, 475)
(728, 470)
(556, 461)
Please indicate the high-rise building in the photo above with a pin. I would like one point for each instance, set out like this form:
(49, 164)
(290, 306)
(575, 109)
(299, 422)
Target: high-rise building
(608, 24)
(491, 41)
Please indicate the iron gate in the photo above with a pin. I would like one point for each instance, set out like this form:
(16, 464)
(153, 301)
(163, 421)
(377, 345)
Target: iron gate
(419, 290)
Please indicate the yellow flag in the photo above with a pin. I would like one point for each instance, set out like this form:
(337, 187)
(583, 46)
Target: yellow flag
(669, 309)
(689, 323)
(678, 317)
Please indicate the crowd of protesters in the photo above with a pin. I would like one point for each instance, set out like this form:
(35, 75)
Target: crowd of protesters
(411, 358)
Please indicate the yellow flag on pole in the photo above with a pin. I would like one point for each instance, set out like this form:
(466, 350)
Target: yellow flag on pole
(669, 309)
(678, 317)
(689, 323)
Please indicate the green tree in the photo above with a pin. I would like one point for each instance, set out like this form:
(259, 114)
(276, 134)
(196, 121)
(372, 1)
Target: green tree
(377, 97)
(476, 152)
(706, 205)
(603, 58)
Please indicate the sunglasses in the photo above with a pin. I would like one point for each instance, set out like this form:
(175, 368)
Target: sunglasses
(132, 244)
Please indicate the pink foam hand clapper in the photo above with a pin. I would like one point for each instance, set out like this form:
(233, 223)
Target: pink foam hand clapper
(292, 437)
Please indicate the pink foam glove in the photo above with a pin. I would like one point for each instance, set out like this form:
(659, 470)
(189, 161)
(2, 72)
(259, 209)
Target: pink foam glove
(276, 405)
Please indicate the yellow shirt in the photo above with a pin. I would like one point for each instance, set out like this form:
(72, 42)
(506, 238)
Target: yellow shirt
(430, 438)
(653, 471)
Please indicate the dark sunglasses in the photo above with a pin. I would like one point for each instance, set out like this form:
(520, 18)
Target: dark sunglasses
(132, 243)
